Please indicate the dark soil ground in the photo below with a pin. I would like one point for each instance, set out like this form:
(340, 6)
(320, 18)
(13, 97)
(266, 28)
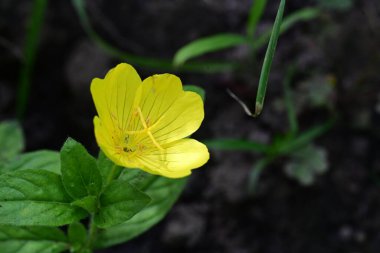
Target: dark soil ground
(340, 212)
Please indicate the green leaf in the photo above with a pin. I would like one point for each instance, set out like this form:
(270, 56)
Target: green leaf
(16, 239)
(200, 91)
(236, 144)
(35, 197)
(88, 203)
(138, 178)
(80, 174)
(119, 202)
(31, 233)
(163, 192)
(11, 140)
(254, 17)
(267, 64)
(336, 4)
(207, 45)
(306, 164)
(32, 247)
(77, 235)
(42, 159)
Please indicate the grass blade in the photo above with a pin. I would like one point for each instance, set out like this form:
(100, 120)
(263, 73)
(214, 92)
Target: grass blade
(207, 45)
(30, 49)
(268, 60)
(255, 15)
(305, 138)
(288, 22)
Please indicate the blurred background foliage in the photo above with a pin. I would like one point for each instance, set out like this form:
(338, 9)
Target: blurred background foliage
(302, 177)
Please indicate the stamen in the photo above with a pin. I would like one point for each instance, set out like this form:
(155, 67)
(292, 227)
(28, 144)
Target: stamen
(148, 131)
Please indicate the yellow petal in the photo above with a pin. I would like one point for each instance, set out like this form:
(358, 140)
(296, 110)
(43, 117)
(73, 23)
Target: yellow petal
(169, 112)
(182, 119)
(176, 160)
(159, 93)
(116, 95)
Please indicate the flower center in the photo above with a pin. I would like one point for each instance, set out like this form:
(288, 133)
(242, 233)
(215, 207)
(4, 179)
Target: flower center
(132, 141)
(128, 148)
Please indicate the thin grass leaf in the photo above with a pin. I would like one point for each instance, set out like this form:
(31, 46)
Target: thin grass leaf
(207, 45)
(236, 145)
(265, 70)
(289, 102)
(288, 22)
(304, 138)
(148, 62)
(267, 64)
(30, 49)
(340, 5)
(255, 15)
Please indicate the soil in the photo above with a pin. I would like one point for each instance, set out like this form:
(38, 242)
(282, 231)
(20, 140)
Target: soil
(339, 212)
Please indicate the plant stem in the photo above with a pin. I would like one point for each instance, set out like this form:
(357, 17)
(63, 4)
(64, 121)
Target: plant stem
(111, 175)
(92, 231)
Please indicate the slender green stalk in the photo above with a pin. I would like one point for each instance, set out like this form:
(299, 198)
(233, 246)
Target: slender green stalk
(288, 22)
(267, 64)
(92, 232)
(289, 102)
(255, 15)
(30, 49)
(112, 174)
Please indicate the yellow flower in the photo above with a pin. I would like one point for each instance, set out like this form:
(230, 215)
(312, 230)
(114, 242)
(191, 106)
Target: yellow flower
(144, 124)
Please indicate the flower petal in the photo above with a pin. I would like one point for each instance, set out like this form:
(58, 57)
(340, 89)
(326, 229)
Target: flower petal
(182, 119)
(116, 95)
(176, 160)
(159, 93)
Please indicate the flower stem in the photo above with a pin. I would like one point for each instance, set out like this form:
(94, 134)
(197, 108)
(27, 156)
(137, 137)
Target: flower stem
(92, 231)
(111, 174)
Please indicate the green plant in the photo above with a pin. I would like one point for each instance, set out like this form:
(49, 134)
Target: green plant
(97, 202)
(306, 160)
